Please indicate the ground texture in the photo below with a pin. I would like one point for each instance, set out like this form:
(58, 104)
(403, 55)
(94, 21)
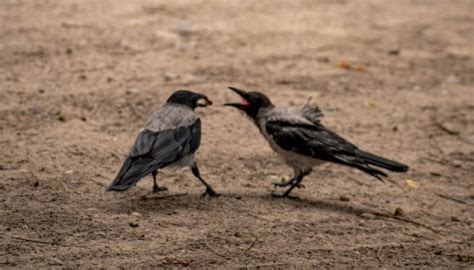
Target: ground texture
(79, 78)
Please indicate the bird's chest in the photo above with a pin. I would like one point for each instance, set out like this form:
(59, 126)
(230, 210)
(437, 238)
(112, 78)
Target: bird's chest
(290, 157)
(286, 155)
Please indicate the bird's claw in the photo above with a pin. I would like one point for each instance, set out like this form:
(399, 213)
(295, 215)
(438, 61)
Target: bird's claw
(283, 195)
(157, 189)
(282, 183)
(210, 192)
(287, 183)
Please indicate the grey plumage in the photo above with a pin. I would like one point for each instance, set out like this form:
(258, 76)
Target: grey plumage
(303, 142)
(170, 138)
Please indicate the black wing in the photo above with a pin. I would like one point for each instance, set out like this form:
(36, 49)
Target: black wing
(155, 150)
(318, 142)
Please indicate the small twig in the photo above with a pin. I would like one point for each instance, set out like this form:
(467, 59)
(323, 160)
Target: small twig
(390, 216)
(169, 196)
(213, 251)
(251, 245)
(417, 236)
(451, 198)
(379, 254)
(439, 125)
(41, 242)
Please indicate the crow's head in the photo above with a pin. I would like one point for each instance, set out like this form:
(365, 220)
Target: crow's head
(189, 99)
(251, 103)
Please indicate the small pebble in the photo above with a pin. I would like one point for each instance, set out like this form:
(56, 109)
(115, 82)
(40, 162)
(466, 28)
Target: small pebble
(399, 212)
(61, 118)
(455, 219)
(367, 215)
(394, 52)
(132, 91)
(344, 198)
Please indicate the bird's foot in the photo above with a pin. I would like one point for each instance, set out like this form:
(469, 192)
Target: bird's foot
(284, 195)
(157, 189)
(287, 183)
(210, 192)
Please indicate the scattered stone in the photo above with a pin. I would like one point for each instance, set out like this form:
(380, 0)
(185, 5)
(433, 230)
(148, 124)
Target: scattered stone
(343, 198)
(394, 52)
(453, 79)
(61, 118)
(169, 76)
(399, 212)
(184, 28)
(456, 163)
(368, 215)
(455, 219)
(136, 214)
(132, 91)
(323, 59)
(69, 172)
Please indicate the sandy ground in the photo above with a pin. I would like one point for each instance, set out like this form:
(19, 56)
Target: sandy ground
(78, 79)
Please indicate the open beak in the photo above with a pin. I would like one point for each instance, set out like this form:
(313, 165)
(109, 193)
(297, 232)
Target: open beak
(243, 94)
(204, 102)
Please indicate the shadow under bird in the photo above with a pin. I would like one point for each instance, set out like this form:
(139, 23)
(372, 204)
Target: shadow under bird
(298, 136)
(170, 139)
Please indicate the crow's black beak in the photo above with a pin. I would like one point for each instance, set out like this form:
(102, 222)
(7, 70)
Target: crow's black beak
(243, 94)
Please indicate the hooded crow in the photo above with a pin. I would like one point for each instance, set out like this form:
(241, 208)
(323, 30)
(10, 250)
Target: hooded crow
(170, 138)
(298, 136)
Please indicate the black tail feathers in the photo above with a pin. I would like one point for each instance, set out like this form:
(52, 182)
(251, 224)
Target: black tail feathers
(133, 169)
(382, 162)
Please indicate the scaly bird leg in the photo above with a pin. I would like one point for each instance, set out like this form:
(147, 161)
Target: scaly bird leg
(209, 190)
(157, 188)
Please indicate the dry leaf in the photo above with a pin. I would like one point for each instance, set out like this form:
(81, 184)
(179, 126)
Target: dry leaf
(372, 104)
(412, 183)
(344, 65)
(360, 69)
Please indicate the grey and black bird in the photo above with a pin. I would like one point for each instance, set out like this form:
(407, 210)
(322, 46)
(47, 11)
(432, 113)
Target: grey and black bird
(303, 142)
(170, 138)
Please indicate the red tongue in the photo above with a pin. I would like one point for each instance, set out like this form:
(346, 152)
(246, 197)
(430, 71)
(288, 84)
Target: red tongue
(245, 102)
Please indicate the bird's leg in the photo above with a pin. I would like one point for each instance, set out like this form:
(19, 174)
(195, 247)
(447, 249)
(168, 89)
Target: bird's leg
(157, 188)
(292, 180)
(209, 190)
(296, 182)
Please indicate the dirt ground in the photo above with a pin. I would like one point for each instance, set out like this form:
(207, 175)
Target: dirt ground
(78, 79)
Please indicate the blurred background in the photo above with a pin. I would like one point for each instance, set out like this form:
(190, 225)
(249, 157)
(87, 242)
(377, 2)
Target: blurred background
(78, 79)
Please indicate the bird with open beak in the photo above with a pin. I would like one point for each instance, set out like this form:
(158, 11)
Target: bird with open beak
(298, 136)
(170, 139)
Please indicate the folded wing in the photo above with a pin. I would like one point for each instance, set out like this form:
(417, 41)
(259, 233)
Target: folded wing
(155, 150)
(318, 142)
